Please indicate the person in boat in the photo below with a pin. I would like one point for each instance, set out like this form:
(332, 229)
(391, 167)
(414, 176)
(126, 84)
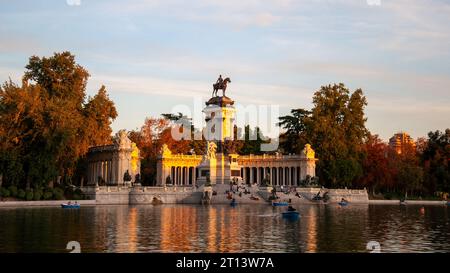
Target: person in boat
(343, 200)
(290, 208)
(69, 203)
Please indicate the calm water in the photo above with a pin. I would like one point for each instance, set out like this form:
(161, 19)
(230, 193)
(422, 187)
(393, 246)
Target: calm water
(190, 228)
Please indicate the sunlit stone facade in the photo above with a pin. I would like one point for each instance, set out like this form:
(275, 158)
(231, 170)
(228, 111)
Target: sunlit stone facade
(221, 168)
(289, 170)
(108, 164)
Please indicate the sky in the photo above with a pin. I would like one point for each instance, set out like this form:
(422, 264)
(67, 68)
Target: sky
(156, 56)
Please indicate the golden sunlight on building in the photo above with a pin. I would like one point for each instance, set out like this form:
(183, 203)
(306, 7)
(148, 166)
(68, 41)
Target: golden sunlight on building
(400, 142)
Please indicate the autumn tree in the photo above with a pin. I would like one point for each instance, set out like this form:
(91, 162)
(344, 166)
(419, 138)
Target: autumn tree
(53, 125)
(377, 172)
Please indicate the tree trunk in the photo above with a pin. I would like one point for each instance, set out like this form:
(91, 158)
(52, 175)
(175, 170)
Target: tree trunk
(81, 181)
(1, 179)
(28, 186)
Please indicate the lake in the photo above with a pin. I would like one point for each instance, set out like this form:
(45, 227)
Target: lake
(222, 228)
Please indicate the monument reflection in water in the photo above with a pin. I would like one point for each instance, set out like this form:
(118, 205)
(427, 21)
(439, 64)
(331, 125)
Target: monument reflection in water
(221, 228)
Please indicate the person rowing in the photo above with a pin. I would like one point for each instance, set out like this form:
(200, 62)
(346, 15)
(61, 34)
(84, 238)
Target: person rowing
(290, 208)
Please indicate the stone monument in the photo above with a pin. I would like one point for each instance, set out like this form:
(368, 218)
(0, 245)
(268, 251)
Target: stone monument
(220, 120)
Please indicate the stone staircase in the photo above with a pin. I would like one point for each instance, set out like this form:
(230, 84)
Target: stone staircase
(241, 198)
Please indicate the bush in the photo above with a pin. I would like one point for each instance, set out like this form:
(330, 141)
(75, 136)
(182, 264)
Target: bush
(58, 194)
(48, 195)
(21, 194)
(68, 191)
(4, 192)
(76, 196)
(13, 190)
(29, 195)
(37, 195)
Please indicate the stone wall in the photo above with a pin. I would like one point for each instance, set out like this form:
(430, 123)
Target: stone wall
(193, 195)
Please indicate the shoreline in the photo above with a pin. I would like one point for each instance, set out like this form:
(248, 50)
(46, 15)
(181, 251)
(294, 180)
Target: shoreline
(43, 203)
(57, 203)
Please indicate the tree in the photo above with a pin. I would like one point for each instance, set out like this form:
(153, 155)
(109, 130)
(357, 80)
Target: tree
(377, 172)
(47, 125)
(435, 160)
(335, 127)
(295, 137)
(252, 141)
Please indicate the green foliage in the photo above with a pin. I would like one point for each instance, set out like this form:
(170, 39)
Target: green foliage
(253, 139)
(295, 137)
(335, 128)
(4, 192)
(13, 190)
(48, 195)
(29, 195)
(21, 194)
(37, 194)
(435, 159)
(58, 194)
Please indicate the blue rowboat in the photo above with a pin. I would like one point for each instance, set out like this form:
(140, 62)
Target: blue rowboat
(343, 204)
(291, 215)
(233, 203)
(280, 204)
(71, 206)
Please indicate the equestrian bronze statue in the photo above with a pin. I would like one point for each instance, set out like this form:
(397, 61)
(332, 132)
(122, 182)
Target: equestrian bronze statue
(220, 84)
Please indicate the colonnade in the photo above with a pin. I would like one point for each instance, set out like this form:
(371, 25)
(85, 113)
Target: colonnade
(286, 176)
(183, 176)
(101, 169)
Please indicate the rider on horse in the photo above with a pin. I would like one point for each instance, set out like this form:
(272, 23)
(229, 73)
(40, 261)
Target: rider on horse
(220, 84)
(220, 80)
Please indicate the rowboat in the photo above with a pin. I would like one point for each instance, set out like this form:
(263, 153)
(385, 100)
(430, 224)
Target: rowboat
(343, 203)
(233, 203)
(280, 204)
(291, 215)
(70, 206)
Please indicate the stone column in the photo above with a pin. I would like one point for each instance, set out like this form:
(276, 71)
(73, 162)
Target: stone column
(97, 171)
(251, 175)
(111, 171)
(258, 175)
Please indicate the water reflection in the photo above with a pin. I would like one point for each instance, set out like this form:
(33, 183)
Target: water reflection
(191, 228)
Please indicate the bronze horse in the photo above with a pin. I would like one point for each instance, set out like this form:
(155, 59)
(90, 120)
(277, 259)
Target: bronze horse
(223, 86)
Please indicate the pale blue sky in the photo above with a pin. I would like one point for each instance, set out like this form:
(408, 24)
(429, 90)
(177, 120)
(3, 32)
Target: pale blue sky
(152, 55)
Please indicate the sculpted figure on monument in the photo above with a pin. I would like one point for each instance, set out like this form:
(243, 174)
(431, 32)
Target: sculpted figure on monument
(211, 153)
(122, 140)
(308, 152)
(165, 151)
(220, 84)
